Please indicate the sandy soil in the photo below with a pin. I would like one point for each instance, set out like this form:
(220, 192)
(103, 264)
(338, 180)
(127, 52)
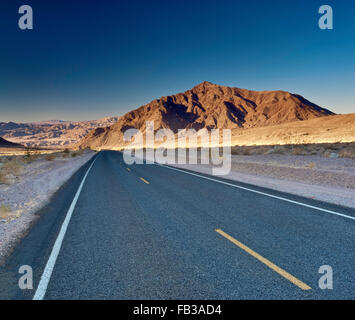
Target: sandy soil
(326, 179)
(29, 192)
(331, 129)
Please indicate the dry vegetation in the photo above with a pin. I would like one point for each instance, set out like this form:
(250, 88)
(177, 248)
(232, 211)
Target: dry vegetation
(50, 156)
(347, 153)
(333, 150)
(3, 178)
(12, 166)
(5, 212)
(312, 165)
(32, 154)
(77, 153)
(65, 154)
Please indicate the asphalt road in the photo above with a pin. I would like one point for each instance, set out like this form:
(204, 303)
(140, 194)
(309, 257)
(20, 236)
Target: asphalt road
(150, 232)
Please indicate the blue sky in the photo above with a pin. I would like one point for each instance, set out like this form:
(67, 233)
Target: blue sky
(90, 59)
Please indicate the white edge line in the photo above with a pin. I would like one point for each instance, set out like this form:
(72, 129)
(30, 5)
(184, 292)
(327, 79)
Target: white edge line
(259, 192)
(47, 273)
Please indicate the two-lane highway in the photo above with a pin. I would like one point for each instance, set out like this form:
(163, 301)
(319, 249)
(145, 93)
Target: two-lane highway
(152, 232)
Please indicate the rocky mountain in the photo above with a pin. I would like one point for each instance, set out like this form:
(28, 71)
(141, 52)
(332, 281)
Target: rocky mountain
(210, 106)
(53, 133)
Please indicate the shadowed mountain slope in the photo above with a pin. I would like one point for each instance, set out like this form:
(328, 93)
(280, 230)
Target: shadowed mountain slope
(8, 144)
(209, 106)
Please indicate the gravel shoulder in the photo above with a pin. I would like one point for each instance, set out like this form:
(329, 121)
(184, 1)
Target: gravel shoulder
(30, 191)
(326, 179)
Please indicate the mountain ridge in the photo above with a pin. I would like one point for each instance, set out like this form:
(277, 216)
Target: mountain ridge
(51, 133)
(209, 106)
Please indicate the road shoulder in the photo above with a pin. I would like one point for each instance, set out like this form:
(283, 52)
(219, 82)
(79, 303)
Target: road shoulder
(315, 178)
(30, 192)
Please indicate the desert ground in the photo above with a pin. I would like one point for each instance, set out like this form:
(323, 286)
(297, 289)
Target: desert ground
(331, 129)
(27, 183)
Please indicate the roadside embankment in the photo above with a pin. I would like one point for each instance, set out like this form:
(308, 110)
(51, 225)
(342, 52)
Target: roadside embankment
(26, 185)
(326, 179)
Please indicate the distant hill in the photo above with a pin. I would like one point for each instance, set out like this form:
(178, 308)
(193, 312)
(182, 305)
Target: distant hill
(8, 144)
(52, 133)
(210, 106)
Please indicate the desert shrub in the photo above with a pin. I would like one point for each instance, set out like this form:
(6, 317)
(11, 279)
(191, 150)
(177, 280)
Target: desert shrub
(50, 157)
(296, 151)
(77, 153)
(28, 151)
(277, 150)
(66, 153)
(330, 153)
(13, 167)
(313, 150)
(242, 151)
(299, 151)
(321, 150)
(32, 153)
(347, 153)
(3, 178)
(245, 151)
(331, 150)
(336, 146)
(311, 165)
(4, 211)
(28, 154)
(235, 150)
(260, 150)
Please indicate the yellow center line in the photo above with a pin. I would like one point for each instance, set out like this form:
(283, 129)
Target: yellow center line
(145, 181)
(128, 169)
(272, 266)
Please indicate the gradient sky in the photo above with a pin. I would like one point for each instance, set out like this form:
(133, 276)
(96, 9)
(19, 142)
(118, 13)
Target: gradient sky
(90, 59)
